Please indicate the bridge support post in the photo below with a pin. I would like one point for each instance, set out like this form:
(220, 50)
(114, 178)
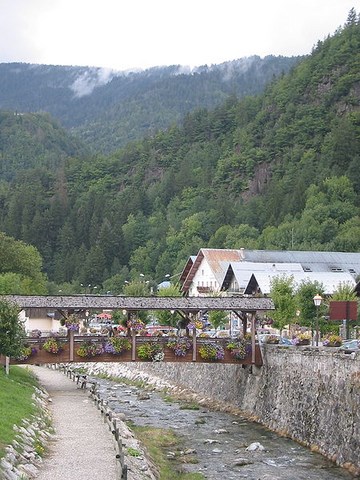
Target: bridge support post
(71, 345)
(253, 332)
(194, 345)
(133, 345)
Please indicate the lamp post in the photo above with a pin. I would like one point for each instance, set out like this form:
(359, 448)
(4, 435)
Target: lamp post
(317, 302)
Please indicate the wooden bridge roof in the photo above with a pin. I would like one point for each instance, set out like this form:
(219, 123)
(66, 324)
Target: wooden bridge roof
(185, 304)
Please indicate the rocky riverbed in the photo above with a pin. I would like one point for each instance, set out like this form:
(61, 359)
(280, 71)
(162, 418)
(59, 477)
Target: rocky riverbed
(221, 443)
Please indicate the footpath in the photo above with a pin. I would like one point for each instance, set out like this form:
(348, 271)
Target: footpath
(83, 448)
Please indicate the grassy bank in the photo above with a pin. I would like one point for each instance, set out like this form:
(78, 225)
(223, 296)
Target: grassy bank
(16, 390)
(158, 443)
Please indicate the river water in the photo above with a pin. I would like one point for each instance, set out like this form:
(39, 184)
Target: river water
(224, 445)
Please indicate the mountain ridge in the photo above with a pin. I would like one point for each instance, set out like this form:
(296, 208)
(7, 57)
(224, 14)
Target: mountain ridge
(278, 170)
(108, 109)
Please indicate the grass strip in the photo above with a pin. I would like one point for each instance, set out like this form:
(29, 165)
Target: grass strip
(16, 390)
(159, 443)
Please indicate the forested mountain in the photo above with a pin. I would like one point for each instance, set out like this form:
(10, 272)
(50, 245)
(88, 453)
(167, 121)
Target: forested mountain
(273, 171)
(107, 109)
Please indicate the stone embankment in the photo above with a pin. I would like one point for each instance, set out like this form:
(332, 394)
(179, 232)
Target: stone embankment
(23, 457)
(308, 394)
(37, 445)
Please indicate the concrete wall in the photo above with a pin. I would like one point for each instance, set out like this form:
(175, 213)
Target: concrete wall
(308, 394)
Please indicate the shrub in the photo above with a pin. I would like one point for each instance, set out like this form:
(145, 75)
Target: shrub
(180, 346)
(117, 345)
(211, 351)
(239, 348)
(149, 350)
(89, 348)
(332, 341)
(53, 345)
(26, 352)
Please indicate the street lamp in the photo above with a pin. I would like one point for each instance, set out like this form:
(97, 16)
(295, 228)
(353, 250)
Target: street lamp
(317, 302)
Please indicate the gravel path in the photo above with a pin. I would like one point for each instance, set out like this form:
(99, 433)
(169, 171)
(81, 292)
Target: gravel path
(83, 447)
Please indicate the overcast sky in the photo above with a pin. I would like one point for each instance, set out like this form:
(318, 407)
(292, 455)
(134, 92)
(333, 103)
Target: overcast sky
(127, 34)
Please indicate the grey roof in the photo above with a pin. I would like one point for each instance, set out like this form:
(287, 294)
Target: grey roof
(244, 270)
(330, 281)
(311, 261)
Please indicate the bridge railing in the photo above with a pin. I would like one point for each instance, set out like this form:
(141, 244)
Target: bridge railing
(70, 348)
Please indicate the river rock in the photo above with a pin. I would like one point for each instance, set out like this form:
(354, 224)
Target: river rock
(30, 470)
(217, 450)
(255, 447)
(143, 396)
(240, 462)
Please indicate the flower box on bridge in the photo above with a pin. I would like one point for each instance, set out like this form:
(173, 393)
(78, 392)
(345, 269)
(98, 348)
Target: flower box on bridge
(71, 344)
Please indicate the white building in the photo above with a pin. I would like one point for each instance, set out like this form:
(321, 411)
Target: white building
(243, 271)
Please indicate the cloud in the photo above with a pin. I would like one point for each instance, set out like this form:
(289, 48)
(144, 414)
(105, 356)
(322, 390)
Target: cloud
(92, 78)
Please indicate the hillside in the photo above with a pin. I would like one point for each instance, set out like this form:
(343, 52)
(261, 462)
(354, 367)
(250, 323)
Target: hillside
(274, 171)
(107, 109)
(32, 140)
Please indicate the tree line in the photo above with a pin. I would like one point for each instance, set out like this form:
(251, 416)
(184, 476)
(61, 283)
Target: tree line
(273, 171)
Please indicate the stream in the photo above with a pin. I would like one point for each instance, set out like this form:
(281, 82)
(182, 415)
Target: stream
(223, 444)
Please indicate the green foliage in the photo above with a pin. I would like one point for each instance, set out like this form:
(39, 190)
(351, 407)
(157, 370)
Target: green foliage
(53, 345)
(211, 351)
(127, 107)
(136, 288)
(218, 318)
(283, 296)
(88, 349)
(119, 344)
(238, 348)
(12, 331)
(149, 350)
(276, 171)
(344, 293)
(16, 390)
(20, 268)
(305, 303)
(164, 317)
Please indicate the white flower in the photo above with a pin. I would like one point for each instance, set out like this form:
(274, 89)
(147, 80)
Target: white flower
(159, 357)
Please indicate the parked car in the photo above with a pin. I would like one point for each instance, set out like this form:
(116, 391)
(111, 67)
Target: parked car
(350, 346)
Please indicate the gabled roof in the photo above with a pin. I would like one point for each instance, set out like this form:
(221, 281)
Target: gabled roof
(222, 263)
(242, 271)
(330, 281)
(186, 269)
(218, 261)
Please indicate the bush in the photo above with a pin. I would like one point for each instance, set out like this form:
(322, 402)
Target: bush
(149, 350)
(89, 349)
(53, 345)
(211, 351)
(117, 345)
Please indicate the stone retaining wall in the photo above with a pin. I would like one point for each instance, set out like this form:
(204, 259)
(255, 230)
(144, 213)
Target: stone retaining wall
(23, 458)
(309, 394)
